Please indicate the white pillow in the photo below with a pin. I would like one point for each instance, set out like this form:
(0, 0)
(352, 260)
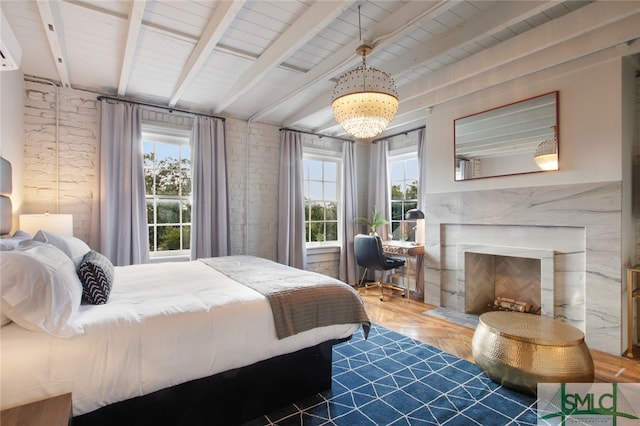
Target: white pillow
(12, 242)
(40, 289)
(73, 247)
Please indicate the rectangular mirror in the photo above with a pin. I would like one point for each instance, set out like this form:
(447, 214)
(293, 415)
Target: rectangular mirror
(517, 138)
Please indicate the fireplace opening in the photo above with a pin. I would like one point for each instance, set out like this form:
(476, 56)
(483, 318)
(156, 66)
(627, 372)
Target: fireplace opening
(499, 282)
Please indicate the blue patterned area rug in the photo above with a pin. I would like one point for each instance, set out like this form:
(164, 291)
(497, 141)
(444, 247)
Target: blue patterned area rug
(391, 379)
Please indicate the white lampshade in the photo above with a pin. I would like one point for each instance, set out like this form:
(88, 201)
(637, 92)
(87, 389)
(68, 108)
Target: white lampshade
(420, 237)
(61, 224)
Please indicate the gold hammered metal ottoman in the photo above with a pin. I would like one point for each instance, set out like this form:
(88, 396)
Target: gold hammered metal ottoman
(520, 350)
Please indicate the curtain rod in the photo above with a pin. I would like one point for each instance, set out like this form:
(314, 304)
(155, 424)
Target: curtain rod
(320, 135)
(399, 133)
(170, 109)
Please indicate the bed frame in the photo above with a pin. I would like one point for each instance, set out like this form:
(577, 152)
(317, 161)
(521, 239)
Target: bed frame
(231, 397)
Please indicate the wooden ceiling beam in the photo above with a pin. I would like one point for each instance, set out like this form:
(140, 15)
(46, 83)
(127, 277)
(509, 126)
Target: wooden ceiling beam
(312, 21)
(222, 18)
(52, 25)
(540, 48)
(135, 23)
(495, 19)
(394, 27)
(489, 23)
(598, 46)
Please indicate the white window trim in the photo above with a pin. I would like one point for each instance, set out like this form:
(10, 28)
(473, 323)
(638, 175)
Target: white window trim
(327, 155)
(168, 135)
(403, 154)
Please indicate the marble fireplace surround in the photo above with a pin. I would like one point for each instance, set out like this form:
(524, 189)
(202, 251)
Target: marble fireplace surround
(580, 224)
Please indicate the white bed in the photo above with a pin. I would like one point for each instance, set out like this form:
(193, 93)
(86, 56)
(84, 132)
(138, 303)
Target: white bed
(183, 318)
(213, 341)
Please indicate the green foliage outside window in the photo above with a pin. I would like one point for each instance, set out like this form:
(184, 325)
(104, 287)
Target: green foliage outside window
(321, 221)
(321, 194)
(168, 176)
(404, 194)
(168, 186)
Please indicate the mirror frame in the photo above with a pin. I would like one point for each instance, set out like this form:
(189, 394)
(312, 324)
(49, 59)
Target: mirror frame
(538, 113)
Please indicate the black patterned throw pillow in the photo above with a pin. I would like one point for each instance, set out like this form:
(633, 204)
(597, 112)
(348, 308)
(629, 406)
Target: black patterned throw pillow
(96, 274)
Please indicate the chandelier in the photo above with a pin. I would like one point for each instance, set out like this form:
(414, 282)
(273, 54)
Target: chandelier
(546, 155)
(365, 99)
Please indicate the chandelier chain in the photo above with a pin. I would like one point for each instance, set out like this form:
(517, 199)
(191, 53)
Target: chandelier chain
(359, 24)
(364, 99)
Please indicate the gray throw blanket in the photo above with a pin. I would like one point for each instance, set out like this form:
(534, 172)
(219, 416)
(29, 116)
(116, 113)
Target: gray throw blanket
(300, 300)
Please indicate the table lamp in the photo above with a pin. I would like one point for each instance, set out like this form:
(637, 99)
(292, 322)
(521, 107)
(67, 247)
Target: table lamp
(418, 216)
(61, 224)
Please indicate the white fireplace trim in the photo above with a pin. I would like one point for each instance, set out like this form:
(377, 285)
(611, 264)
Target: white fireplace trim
(547, 279)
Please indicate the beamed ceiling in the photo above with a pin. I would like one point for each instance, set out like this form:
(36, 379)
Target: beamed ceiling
(277, 61)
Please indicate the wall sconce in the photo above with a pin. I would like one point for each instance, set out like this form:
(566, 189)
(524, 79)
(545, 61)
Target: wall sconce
(61, 224)
(418, 216)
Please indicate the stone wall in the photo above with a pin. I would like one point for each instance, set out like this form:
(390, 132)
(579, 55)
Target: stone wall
(70, 189)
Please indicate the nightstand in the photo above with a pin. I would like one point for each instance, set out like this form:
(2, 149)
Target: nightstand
(54, 411)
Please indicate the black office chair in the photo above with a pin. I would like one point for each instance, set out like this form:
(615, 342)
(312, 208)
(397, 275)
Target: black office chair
(369, 255)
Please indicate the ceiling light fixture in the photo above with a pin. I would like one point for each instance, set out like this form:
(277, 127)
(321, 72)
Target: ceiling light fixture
(365, 99)
(546, 155)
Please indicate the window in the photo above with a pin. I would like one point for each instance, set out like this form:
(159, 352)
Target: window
(167, 175)
(321, 199)
(404, 193)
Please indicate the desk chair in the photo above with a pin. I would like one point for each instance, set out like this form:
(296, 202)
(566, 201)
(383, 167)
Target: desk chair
(369, 255)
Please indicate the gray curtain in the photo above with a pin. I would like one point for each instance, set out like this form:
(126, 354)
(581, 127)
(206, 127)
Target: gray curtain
(291, 238)
(379, 183)
(210, 211)
(348, 268)
(422, 168)
(466, 169)
(119, 213)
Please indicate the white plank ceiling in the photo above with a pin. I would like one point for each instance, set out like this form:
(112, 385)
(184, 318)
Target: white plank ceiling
(277, 61)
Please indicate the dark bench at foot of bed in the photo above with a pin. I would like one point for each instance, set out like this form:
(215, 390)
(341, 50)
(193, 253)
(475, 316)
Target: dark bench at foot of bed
(228, 398)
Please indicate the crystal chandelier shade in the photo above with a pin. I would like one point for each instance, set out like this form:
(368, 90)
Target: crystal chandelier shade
(546, 155)
(365, 101)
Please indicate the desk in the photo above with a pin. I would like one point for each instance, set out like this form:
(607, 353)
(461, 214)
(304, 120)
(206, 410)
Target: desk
(633, 295)
(408, 249)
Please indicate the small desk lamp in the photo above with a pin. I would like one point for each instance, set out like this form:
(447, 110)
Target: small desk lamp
(418, 216)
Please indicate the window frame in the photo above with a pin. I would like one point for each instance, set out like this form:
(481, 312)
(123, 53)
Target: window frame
(172, 136)
(325, 156)
(397, 157)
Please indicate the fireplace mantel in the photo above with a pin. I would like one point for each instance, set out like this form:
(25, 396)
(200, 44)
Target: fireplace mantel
(580, 224)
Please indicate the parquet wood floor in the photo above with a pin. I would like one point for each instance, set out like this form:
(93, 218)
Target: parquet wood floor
(408, 318)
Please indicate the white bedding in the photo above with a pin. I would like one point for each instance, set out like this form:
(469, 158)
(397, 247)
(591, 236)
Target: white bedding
(163, 325)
